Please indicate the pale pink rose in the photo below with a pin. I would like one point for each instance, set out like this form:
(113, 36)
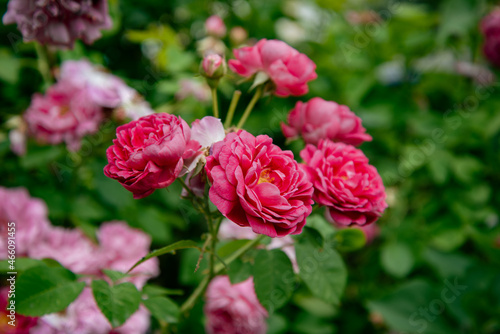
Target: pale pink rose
(344, 182)
(231, 231)
(104, 89)
(23, 324)
(71, 248)
(287, 68)
(30, 218)
(84, 317)
(213, 66)
(190, 87)
(209, 45)
(255, 183)
(59, 23)
(122, 246)
(490, 27)
(150, 153)
(215, 26)
(320, 119)
(17, 140)
(238, 35)
(64, 114)
(233, 309)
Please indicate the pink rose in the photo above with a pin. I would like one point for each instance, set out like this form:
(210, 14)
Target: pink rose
(71, 248)
(215, 26)
(59, 23)
(344, 182)
(64, 114)
(84, 317)
(190, 87)
(122, 246)
(255, 183)
(286, 67)
(234, 309)
(150, 153)
(490, 27)
(320, 119)
(30, 218)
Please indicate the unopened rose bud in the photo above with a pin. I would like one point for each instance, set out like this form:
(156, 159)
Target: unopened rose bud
(213, 67)
(215, 26)
(238, 35)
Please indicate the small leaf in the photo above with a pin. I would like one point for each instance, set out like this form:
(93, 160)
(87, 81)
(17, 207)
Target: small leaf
(322, 270)
(167, 249)
(349, 239)
(155, 291)
(117, 302)
(43, 290)
(163, 309)
(114, 275)
(273, 278)
(397, 259)
(239, 271)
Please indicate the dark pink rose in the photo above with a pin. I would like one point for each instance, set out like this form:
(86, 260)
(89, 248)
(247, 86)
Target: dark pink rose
(64, 114)
(23, 324)
(150, 153)
(289, 69)
(490, 26)
(256, 184)
(59, 23)
(320, 119)
(344, 182)
(215, 26)
(234, 309)
(29, 216)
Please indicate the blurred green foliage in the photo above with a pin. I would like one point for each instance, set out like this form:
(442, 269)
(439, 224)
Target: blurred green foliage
(436, 144)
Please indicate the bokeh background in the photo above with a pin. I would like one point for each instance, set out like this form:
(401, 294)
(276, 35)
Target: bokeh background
(414, 72)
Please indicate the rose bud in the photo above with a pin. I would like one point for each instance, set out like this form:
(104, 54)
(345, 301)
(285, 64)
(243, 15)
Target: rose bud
(213, 67)
(215, 26)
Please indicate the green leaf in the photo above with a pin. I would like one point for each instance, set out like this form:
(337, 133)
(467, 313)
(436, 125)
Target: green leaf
(273, 278)
(349, 239)
(114, 275)
(322, 270)
(117, 302)
(43, 290)
(155, 291)
(167, 249)
(40, 156)
(239, 271)
(163, 309)
(230, 247)
(397, 259)
(21, 264)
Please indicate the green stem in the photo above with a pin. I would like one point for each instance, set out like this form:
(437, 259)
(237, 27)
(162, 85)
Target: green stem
(43, 64)
(250, 106)
(232, 108)
(214, 102)
(189, 303)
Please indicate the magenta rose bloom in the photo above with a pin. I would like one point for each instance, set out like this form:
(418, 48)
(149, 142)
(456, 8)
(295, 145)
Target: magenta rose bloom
(59, 23)
(30, 218)
(320, 119)
(150, 153)
(234, 309)
(289, 69)
(490, 26)
(256, 184)
(344, 182)
(63, 114)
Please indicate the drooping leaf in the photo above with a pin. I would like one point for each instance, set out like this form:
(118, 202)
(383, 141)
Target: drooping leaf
(163, 309)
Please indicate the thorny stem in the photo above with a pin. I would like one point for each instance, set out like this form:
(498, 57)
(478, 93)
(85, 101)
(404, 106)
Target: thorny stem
(250, 106)
(232, 108)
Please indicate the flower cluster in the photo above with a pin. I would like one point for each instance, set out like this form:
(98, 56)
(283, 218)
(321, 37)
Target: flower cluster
(490, 27)
(75, 106)
(59, 23)
(118, 248)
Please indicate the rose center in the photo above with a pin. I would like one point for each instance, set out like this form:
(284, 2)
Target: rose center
(265, 176)
(63, 110)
